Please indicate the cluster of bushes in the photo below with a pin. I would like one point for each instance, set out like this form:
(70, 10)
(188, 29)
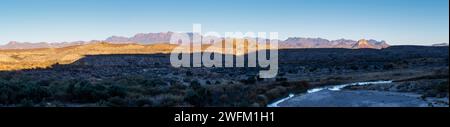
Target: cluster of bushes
(42, 92)
(12, 92)
(138, 91)
(439, 90)
(246, 95)
(24, 89)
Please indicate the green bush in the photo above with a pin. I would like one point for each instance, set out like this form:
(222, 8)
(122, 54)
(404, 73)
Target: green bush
(140, 91)
(195, 84)
(167, 100)
(116, 102)
(117, 91)
(13, 92)
(441, 90)
(281, 79)
(198, 96)
(34, 92)
(85, 92)
(26, 103)
(143, 102)
(389, 66)
(249, 80)
(442, 87)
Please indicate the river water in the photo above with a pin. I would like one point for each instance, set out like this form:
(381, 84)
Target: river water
(331, 87)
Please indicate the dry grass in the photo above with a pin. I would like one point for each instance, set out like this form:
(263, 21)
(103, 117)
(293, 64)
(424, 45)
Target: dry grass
(18, 59)
(42, 58)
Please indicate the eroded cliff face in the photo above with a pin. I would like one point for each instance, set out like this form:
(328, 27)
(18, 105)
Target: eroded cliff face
(371, 44)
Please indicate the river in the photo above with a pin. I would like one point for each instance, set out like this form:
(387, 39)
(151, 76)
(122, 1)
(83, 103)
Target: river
(330, 87)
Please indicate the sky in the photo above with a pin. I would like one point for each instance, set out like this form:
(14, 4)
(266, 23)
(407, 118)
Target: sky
(399, 22)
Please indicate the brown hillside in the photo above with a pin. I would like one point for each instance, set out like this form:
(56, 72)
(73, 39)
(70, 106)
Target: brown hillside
(41, 58)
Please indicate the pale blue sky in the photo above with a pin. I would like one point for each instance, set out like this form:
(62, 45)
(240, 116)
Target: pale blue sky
(418, 22)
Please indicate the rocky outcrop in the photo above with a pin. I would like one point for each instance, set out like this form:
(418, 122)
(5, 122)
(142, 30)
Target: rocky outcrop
(371, 44)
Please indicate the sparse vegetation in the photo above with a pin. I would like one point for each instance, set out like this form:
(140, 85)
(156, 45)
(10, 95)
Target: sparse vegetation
(137, 91)
(149, 81)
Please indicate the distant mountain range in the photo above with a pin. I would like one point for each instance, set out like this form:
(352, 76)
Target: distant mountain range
(28, 45)
(149, 38)
(164, 37)
(440, 44)
(324, 43)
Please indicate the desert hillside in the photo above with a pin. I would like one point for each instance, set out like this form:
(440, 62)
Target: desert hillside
(42, 58)
(17, 59)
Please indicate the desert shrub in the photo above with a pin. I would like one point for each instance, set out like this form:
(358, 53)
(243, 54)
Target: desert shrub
(143, 102)
(45, 82)
(8, 93)
(12, 92)
(187, 80)
(244, 95)
(337, 68)
(442, 87)
(177, 88)
(117, 91)
(139, 80)
(57, 89)
(116, 102)
(441, 90)
(259, 78)
(255, 105)
(167, 100)
(276, 92)
(313, 69)
(189, 73)
(195, 84)
(389, 66)
(26, 103)
(5, 76)
(262, 99)
(376, 67)
(365, 67)
(354, 67)
(249, 80)
(173, 82)
(281, 79)
(155, 90)
(131, 80)
(154, 82)
(292, 71)
(33, 92)
(198, 96)
(138, 91)
(86, 92)
(299, 87)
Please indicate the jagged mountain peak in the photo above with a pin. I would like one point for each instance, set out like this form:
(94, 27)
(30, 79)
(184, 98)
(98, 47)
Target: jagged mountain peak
(363, 43)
